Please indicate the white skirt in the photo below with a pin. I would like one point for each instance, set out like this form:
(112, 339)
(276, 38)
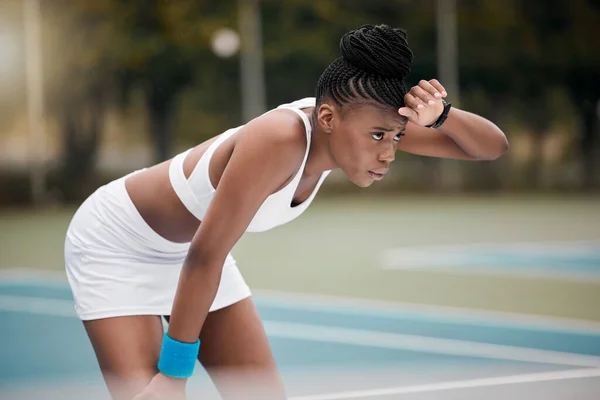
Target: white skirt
(117, 265)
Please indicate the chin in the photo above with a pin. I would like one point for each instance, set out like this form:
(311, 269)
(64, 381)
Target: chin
(362, 182)
(365, 184)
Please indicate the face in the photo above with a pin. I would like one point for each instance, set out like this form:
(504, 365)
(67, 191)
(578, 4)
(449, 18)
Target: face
(363, 140)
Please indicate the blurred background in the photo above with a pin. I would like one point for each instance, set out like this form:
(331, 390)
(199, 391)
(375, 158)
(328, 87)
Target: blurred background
(92, 90)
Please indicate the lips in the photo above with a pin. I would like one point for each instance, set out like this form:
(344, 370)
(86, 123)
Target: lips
(377, 175)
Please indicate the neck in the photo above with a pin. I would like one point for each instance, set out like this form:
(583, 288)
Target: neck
(319, 157)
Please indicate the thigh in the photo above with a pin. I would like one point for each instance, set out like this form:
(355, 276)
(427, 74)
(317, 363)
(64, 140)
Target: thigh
(235, 351)
(127, 349)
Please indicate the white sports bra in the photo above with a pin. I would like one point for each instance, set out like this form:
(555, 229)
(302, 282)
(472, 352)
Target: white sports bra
(196, 192)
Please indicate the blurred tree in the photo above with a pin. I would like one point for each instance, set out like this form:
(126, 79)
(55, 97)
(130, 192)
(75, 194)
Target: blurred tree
(511, 53)
(490, 34)
(543, 28)
(301, 38)
(518, 52)
(156, 61)
(108, 49)
(560, 49)
(576, 59)
(167, 48)
(79, 83)
(12, 60)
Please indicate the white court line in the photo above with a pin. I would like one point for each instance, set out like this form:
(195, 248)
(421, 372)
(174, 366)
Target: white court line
(396, 341)
(462, 384)
(397, 309)
(526, 272)
(522, 246)
(345, 305)
(450, 258)
(33, 276)
(355, 337)
(33, 305)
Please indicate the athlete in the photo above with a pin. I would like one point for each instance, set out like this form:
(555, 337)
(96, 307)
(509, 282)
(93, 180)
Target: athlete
(156, 243)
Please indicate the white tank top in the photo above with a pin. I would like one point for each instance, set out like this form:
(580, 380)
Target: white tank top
(196, 192)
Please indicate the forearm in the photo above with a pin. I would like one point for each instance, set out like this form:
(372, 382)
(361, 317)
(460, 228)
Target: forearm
(475, 135)
(197, 288)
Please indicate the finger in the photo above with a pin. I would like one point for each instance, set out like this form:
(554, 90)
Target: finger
(439, 87)
(409, 113)
(423, 95)
(413, 102)
(429, 88)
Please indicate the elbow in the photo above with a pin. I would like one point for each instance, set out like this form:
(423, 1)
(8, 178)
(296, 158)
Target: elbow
(505, 145)
(496, 151)
(501, 149)
(197, 259)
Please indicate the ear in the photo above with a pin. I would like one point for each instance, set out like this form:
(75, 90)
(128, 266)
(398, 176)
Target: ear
(325, 117)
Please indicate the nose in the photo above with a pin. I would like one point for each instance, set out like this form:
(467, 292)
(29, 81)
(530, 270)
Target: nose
(388, 155)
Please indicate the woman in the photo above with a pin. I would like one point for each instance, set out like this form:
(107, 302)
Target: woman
(157, 242)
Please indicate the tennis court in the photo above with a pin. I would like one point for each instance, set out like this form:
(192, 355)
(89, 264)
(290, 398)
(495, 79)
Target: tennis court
(326, 348)
(358, 329)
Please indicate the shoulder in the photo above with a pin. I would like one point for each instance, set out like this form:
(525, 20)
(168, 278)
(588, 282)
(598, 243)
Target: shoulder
(276, 135)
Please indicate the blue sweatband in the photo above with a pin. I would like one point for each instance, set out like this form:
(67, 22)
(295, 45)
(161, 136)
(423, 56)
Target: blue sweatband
(177, 359)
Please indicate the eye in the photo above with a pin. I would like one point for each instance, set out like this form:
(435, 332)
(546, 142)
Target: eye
(398, 136)
(377, 136)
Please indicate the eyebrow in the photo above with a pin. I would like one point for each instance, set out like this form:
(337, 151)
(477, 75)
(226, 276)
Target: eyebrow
(383, 129)
(379, 128)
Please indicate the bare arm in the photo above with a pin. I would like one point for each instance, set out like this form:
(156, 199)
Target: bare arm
(463, 135)
(266, 154)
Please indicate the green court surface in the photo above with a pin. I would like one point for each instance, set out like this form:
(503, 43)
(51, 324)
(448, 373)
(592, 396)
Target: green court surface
(336, 248)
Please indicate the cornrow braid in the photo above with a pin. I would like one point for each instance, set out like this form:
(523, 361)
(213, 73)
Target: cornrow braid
(373, 64)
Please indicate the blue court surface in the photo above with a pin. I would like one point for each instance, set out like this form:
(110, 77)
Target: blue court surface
(326, 348)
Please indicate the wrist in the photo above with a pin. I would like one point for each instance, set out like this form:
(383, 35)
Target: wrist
(443, 116)
(171, 380)
(177, 359)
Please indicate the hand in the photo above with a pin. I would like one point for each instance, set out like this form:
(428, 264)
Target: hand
(163, 387)
(423, 103)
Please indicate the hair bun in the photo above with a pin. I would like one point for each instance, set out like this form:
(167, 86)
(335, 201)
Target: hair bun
(379, 50)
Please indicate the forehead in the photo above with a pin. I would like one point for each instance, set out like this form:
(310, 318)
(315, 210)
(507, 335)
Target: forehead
(371, 115)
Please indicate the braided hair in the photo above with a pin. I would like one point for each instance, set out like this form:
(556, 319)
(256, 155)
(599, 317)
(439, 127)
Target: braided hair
(373, 62)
